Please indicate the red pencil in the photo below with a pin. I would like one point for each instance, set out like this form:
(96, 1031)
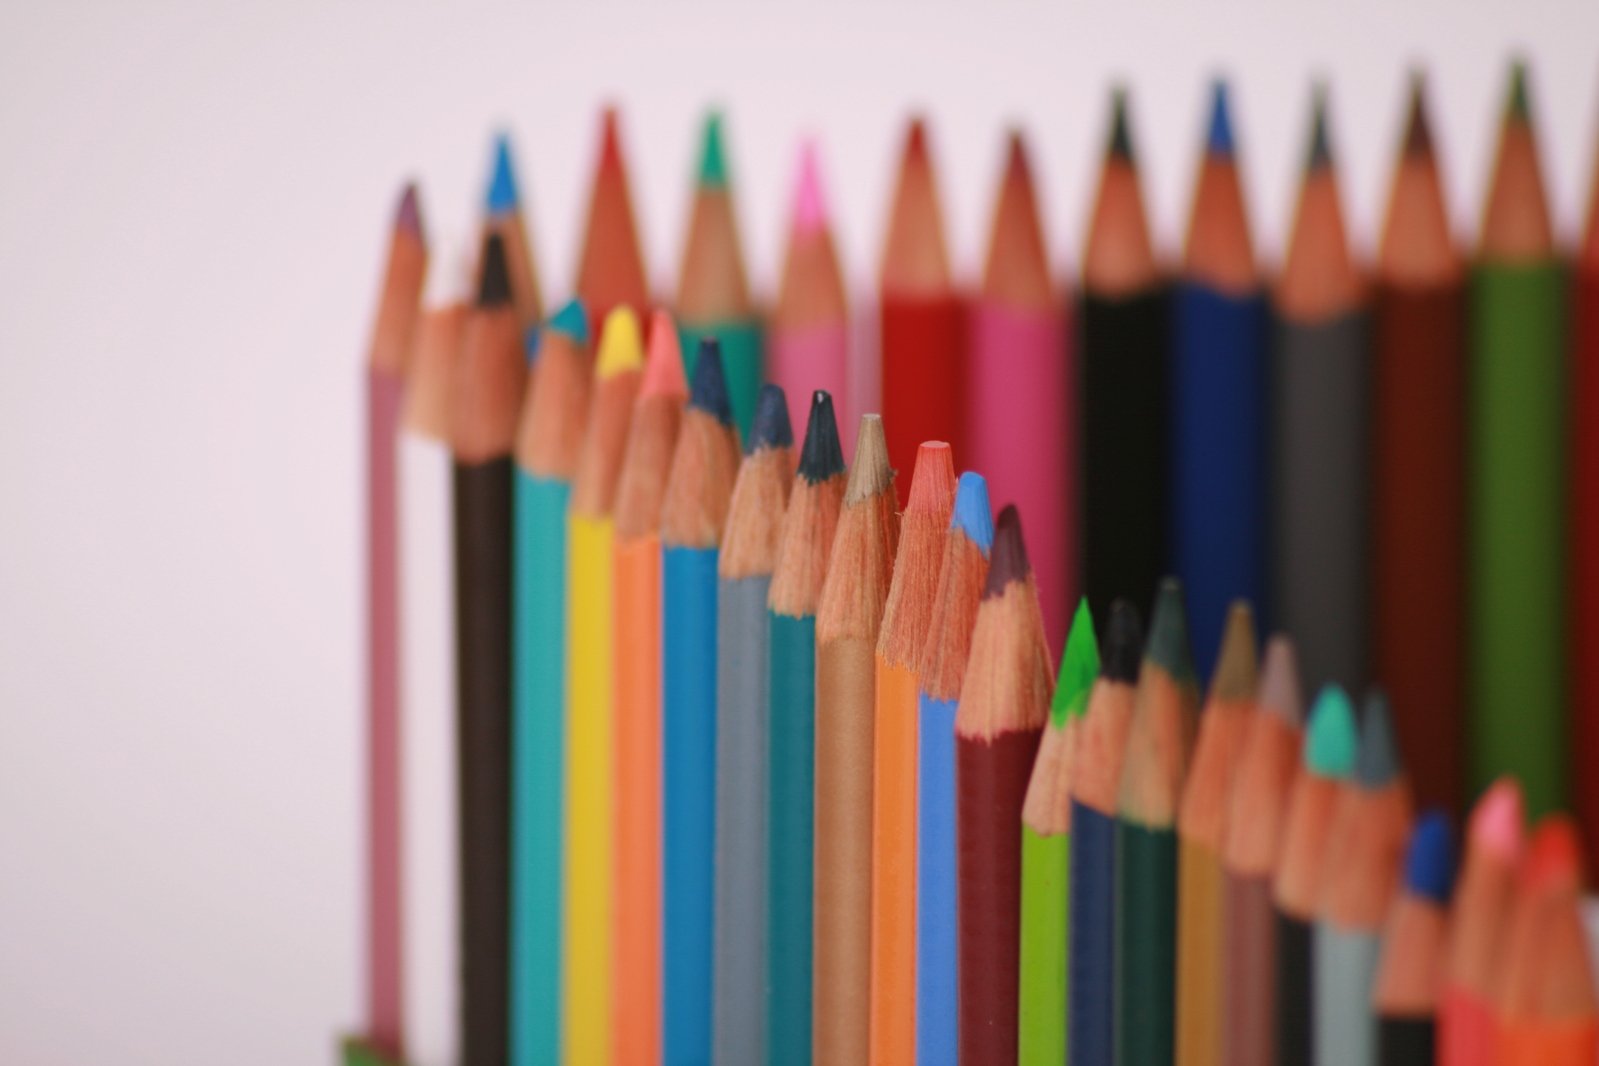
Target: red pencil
(610, 272)
(922, 340)
(1585, 534)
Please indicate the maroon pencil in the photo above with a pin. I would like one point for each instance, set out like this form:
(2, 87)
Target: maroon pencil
(387, 360)
(1003, 707)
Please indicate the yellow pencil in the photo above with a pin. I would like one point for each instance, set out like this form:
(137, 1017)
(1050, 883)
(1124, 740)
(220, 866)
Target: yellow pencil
(590, 533)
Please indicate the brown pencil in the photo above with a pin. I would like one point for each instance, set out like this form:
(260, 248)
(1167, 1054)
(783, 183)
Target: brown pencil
(847, 623)
(1004, 705)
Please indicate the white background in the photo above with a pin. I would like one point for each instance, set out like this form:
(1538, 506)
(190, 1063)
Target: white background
(192, 208)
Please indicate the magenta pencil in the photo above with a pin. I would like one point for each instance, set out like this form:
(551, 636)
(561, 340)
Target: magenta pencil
(1020, 395)
(810, 337)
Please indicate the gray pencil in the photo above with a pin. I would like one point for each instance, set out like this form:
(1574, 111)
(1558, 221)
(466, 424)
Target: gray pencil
(1320, 372)
(749, 553)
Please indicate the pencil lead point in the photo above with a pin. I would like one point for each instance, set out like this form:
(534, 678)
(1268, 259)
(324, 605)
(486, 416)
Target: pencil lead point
(1332, 742)
(503, 196)
(1320, 155)
(1016, 165)
(1008, 561)
(1168, 632)
(1518, 106)
(1378, 762)
(1123, 644)
(663, 366)
(408, 216)
(494, 286)
(621, 347)
(1279, 682)
(869, 474)
(1418, 134)
(1430, 862)
(1497, 821)
(713, 161)
(822, 456)
(1554, 854)
(810, 209)
(770, 427)
(972, 514)
(571, 320)
(610, 139)
(1079, 666)
(1121, 133)
(916, 139)
(1219, 139)
(708, 391)
(1236, 666)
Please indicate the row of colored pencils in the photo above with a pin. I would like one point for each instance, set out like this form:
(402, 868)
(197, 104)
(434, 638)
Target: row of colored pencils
(754, 768)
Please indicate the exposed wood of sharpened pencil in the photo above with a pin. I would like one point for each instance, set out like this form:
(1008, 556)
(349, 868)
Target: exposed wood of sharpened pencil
(610, 271)
(847, 622)
(1406, 994)
(803, 549)
(1003, 707)
(1201, 832)
(1267, 766)
(487, 388)
(636, 870)
(907, 614)
(749, 554)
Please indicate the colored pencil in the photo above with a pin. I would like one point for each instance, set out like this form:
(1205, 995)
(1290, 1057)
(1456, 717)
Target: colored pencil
(1123, 342)
(610, 270)
(1218, 400)
(1585, 530)
(693, 513)
(1021, 389)
(429, 758)
(1548, 1011)
(1201, 832)
(922, 340)
(636, 866)
(591, 656)
(388, 357)
(847, 620)
(713, 298)
(810, 326)
(1267, 765)
(487, 388)
(1477, 916)
(1406, 995)
(1091, 985)
(941, 670)
(503, 215)
(907, 614)
(1364, 848)
(1003, 707)
(1046, 854)
(1320, 389)
(744, 582)
(1158, 743)
(549, 437)
(1331, 746)
(802, 556)
(1516, 430)
(1417, 471)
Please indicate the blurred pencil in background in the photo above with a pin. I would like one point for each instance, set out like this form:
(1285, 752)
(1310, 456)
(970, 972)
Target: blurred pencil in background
(1406, 995)
(503, 215)
(1585, 531)
(610, 270)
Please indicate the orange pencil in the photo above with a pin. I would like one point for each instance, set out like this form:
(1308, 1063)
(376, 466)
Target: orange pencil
(907, 616)
(636, 946)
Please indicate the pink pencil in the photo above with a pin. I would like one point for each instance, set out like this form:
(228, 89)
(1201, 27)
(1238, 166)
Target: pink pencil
(1021, 393)
(810, 338)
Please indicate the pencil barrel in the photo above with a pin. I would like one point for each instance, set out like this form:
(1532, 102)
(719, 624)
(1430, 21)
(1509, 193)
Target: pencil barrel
(1249, 985)
(1091, 1028)
(1405, 1042)
(1295, 994)
(1046, 887)
(1199, 956)
(791, 783)
(937, 914)
(922, 351)
(743, 363)
(802, 360)
(1344, 1025)
(1146, 945)
(1585, 557)
(893, 1003)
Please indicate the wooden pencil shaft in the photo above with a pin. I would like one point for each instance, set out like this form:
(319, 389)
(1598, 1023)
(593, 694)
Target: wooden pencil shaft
(1146, 945)
(893, 1006)
(937, 912)
(1344, 1023)
(923, 345)
(1405, 1042)
(1295, 994)
(1046, 888)
(1092, 986)
(1199, 955)
(1585, 561)
(1249, 984)
(792, 787)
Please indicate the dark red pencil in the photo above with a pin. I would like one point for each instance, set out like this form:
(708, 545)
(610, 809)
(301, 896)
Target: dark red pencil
(1585, 534)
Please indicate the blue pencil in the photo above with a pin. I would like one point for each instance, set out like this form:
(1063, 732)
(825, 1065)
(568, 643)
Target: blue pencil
(942, 669)
(692, 514)
(1218, 403)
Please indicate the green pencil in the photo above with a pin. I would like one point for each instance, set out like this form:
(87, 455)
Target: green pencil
(1146, 839)
(1516, 444)
(1046, 855)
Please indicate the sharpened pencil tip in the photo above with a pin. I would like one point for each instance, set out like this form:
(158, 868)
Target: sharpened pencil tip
(973, 515)
(408, 216)
(810, 209)
(502, 197)
(621, 346)
(1008, 561)
(713, 160)
(573, 321)
(1219, 138)
(1554, 854)
(1378, 762)
(1497, 822)
(1123, 644)
(869, 475)
(1079, 666)
(822, 456)
(1320, 154)
(1332, 742)
(1518, 104)
(1418, 133)
(1121, 133)
(610, 139)
(1279, 682)
(1430, 862)
(663, 366)
(1236, 664)
(494, 286)
(916, 140)
(1168, 632)
(770, 427)
(708, 391)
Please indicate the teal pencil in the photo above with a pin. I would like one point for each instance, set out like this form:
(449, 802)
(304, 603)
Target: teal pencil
(548, 439)
(802, 553)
